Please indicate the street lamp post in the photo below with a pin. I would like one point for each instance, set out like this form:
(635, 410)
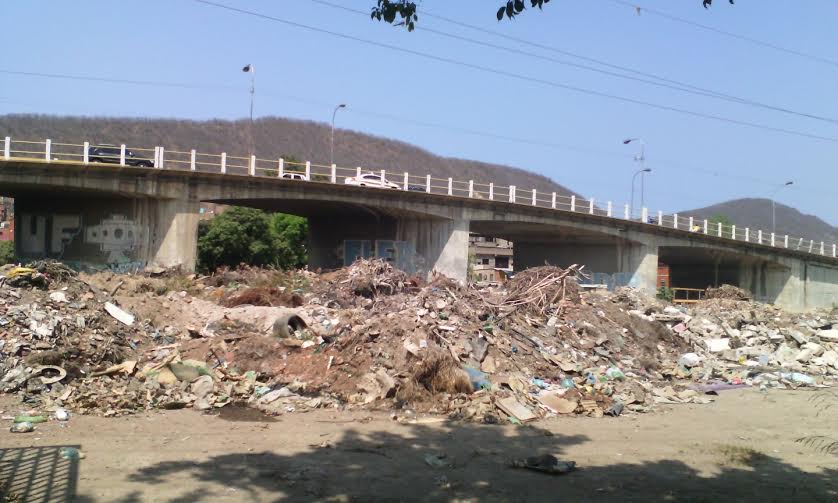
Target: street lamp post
(774, 206)
(252, 71)
(640, 172)
(332, 143)
(643, 169)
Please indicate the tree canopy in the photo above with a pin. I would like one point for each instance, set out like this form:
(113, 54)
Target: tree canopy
(403, 12)
(250, 236)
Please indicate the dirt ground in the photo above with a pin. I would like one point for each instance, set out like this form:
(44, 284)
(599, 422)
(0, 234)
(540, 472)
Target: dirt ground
(740, 448)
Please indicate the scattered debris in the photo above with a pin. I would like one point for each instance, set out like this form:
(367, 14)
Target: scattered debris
(371, 336)
(546, 463)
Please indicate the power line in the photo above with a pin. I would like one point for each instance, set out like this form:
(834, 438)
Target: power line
(520, 77)
(115, 81)
(402, 119)
(657, 80)
(813, 57)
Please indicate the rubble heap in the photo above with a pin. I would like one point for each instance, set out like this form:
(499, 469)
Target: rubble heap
(371, 336)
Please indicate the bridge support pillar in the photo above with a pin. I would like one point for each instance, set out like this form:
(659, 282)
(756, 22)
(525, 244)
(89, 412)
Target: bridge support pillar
(120, 234)
(174, 233)
(640, 262)
(441, 244)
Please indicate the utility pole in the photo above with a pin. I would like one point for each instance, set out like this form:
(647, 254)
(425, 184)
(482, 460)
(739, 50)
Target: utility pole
(252, 71)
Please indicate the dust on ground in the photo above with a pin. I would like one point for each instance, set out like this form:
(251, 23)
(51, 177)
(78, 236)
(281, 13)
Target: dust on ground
(739, 448)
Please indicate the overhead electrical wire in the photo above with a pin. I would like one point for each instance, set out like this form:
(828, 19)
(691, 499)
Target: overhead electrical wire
(755, 41)
(520, 77)
(651, 79)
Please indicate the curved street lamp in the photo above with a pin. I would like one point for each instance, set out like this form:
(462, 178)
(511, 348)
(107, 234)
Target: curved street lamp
(641, 158)
(774, 206)
(332, 143)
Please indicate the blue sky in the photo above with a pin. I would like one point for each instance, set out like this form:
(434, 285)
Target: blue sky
(303, 74)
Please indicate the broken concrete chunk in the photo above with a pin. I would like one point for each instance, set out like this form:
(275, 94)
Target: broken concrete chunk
(829, 335)
(122, 316)
(717, 345)
(488, 365)
(557, 404)
(512, 407)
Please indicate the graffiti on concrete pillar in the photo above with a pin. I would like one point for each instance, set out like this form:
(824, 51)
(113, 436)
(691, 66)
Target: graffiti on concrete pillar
(116, 236)
(65, 228)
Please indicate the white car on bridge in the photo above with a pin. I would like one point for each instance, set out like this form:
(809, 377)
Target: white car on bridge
(371, 180)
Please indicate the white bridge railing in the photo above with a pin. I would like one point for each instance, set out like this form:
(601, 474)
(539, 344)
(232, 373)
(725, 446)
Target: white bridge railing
(158, 157)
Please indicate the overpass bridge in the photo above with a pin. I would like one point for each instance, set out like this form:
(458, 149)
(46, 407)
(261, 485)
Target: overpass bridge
(124, 216)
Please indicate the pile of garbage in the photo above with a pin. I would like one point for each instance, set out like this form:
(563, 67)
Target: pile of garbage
(736, 342)
(371, 336)
(727, 292)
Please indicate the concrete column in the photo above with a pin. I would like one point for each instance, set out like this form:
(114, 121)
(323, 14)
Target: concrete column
(173, 226)
(441, 243)
(641, 261)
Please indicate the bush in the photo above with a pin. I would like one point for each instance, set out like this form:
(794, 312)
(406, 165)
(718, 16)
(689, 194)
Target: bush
(7, 252)
(665, 293)
(253, 237)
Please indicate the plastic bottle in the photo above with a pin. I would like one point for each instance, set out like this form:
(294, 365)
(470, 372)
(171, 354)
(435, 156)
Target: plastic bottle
(24, 427)
(615, 373)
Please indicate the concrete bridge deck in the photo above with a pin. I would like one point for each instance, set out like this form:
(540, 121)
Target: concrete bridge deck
(114, 214)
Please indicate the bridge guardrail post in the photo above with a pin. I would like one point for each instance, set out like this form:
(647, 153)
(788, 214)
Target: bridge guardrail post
(626, 210)
(450, 186)
(786, 241)
(534, 199)
(405, 182)
(383, 176)
(511, 193)
(553, 202)
(470, 189)
(491, 191)
(428, 184)
(308, 170)
(692, 224)
(811, 245)
(223, 163)
(281, 170)
(772, 239)
(822, 251)
(192, 160)
(720, 229)
(610, 207)
(733, 232)
(252, 163)
(759, 236)
(334, 177)
(122, 155)
(573, 203)
(156, 157)
(86, 154)
(674, 220)
(7, 147)
(644, 214)
(705, 226)
(834, 250)
(591, 207)
(660, 217)
(162, 157)
(747, 234)
(48, 150)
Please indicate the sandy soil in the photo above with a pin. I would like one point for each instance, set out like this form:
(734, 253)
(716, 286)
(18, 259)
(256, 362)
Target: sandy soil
(740, 448)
